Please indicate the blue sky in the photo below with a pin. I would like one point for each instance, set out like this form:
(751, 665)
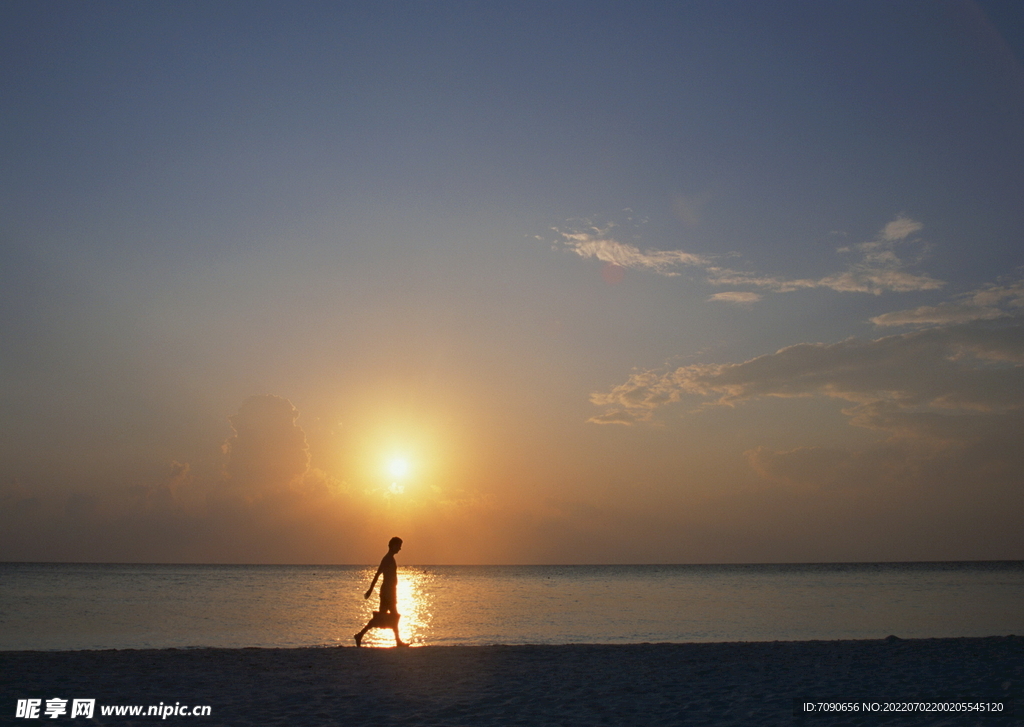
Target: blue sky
(546, 251)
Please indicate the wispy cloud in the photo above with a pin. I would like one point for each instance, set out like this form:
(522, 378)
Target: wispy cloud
(987, 303)
(879, 269)
(738, 297)
(725, 276)
(900, 229)
(606, 249)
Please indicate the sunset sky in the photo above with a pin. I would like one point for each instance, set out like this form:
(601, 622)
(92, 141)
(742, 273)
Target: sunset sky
(524, 282)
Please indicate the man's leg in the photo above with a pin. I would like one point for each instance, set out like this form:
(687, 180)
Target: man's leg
(398, 639)
(359, 637)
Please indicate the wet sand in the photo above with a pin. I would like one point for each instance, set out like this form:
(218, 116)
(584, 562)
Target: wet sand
(751, 683)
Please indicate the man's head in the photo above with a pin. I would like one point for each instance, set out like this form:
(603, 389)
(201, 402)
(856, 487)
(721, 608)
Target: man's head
(394, 545)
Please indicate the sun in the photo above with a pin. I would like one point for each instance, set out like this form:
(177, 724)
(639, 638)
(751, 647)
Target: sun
(398, 467)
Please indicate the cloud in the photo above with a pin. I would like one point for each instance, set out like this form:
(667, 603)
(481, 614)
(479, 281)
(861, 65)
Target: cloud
(942, 476)
(877, 280)
(861, 278)
(958, 369)
(608, 250)
(878, 270)
(986, 303)
(266, 504)
(173, 492)
(900, 229)
(736, 296)
(636, 399)
(725, 276)
(615, 416)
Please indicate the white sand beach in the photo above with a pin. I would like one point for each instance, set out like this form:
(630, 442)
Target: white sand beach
(749, 683)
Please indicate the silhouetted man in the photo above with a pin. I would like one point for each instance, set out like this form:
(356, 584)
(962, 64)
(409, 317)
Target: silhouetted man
(387, 616)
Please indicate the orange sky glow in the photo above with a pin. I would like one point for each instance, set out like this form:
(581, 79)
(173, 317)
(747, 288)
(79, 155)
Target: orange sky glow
(531, 283)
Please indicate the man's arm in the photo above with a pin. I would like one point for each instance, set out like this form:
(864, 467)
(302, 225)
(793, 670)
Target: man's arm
(380, 569)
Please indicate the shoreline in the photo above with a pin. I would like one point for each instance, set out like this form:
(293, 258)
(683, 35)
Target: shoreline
(741, 683)
(321, 647)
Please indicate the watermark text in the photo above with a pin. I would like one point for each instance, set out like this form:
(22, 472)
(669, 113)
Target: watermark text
(56, 707)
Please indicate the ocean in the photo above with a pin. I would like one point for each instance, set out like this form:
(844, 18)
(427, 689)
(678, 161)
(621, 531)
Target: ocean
(51, 606)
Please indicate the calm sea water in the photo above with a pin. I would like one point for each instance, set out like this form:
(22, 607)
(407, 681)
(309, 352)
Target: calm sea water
(86, 606)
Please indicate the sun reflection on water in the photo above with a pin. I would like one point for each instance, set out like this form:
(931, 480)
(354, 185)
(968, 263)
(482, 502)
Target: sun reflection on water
(415, 603)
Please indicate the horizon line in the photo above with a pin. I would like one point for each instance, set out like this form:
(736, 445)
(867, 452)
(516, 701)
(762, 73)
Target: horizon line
(517, 565)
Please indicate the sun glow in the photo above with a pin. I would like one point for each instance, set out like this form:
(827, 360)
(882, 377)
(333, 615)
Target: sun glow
(398, 467)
